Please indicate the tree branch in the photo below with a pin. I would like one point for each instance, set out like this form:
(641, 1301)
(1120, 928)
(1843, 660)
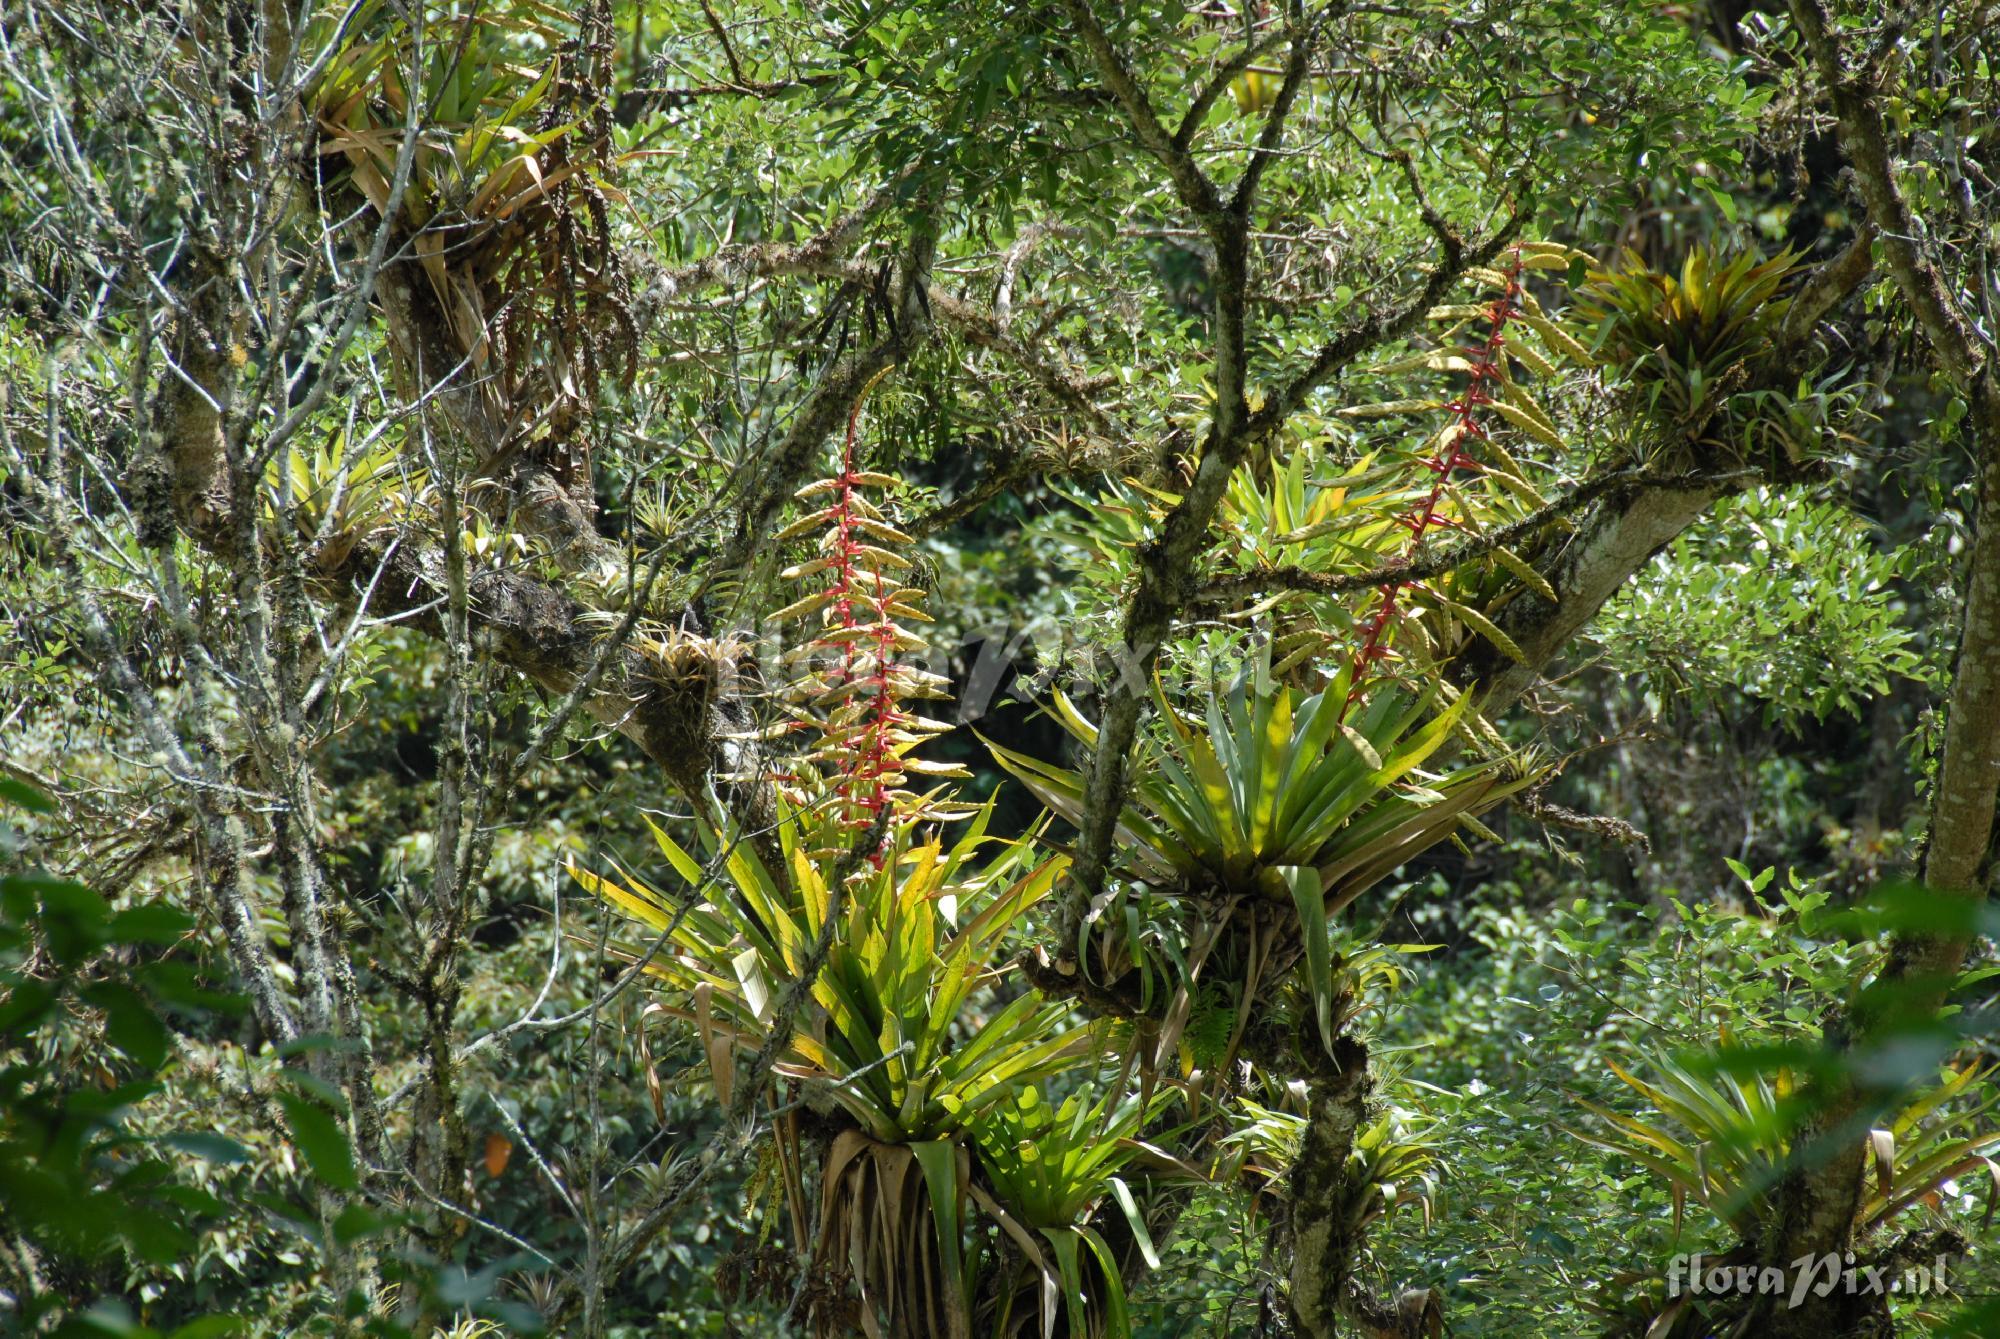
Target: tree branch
(1864, 138)
(1225, 75)
(1166, 562)
(785, 467)
(984, 328)
(1196, 191)
(1444, 560)
(1268, 139)
(1814, 1205)
(743, 1114)
(1339, 353)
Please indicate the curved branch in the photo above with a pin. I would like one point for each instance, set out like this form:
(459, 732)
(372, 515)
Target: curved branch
(1225, 75)
(1166, 562)
(1457, 555)
(1196, 191)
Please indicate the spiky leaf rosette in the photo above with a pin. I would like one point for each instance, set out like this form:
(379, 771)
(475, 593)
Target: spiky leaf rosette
(1693, 341)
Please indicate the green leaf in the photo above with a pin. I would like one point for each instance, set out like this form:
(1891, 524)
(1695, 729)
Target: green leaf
(210, 1327)
(150, 923)
(25, 796)
(1310, 899)
(130, 1023)
(319, 1136)
(939, 1160)
(1723, 201)
(1070, 1269)
(207, 1145)
(355, 1222)
(1136, 1220)
(1117, 1320)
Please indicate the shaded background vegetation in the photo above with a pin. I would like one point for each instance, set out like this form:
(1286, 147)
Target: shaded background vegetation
(1763, 696)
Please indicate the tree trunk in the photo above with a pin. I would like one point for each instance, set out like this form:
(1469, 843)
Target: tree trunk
(1812, 1210)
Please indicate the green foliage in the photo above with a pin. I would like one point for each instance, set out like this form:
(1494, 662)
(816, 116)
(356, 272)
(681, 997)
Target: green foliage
(334, 501)
(889, 1032)
(1714, 314)
(1733, 1115)
(79, 1185)
(1276, 798)
(1423, 453)
(1790, 599)
(1522, 1020)
(1397, 1157)
(559, 153)
(911, 941)
(1693, 344)
(508, 194)
(1051, 1166)
(477, 100)
(1268, 783)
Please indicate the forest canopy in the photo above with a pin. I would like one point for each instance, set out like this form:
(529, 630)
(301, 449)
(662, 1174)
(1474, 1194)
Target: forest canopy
(1030, 668)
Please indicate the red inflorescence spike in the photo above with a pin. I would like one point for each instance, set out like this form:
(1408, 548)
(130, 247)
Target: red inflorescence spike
(1449, 458)
(860, 792)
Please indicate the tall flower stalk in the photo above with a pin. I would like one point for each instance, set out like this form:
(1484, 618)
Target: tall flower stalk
(858, 671)
(1447, 458)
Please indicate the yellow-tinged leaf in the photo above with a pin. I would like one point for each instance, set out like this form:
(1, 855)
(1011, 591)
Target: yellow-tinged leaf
(677, 855)
(806, 524)
(922, 767)
(1434, 360)
(1559, 340)
(1521, 568)
(1298, 657)
(881, 557)
(1527, 423)
(638, 906)
(1517, 395)
(1389, 408)
(1478, 829)
(1486, 628)
(1073, 720)
(1527, 355)
(1510, 474)
(1361, 746)
(800, 608)
(1559, 250)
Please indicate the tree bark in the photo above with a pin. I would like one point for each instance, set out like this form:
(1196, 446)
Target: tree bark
(1812, 1210)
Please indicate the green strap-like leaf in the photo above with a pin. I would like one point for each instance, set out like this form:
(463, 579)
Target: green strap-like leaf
(1310, 899)
(1137, 1220)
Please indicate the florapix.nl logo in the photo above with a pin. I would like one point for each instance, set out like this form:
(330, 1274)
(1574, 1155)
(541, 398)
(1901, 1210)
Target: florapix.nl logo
(1808, 1276)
